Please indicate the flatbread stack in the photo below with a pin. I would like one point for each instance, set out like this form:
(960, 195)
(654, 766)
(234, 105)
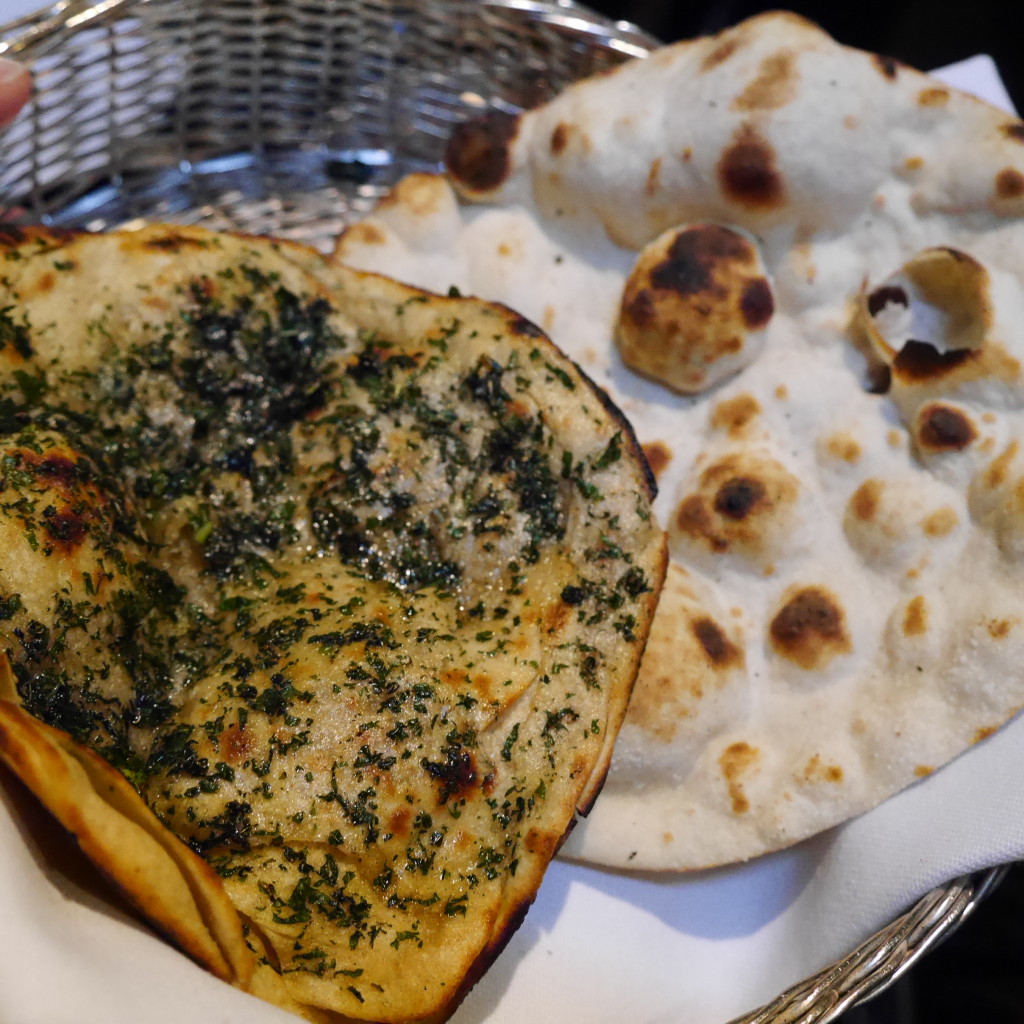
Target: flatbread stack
(797, 268)
(321, 599)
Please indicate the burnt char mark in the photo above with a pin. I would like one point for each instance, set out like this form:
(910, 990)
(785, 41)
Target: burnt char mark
(642, 309)
(693, 519)
(59, 470)
(477, 154)
(757, 304)
(455, 775)
(943, 428)
(560, 138)
(918, 361)
(527, 328)
(689, 266)
(810, 611)
(887, 295)
(1014, 130)
(878, 379)
(65, 527)
(809, 628)
(748, 172)
(174, 243)
(721, 651)
(12, 235)
(736, 498)
(889, 66)
(1009, 183)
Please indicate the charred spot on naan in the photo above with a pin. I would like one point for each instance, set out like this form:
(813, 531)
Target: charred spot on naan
(940, 427)
(735, 415)
(658, 455)
(695, 307)
(736, 762)
(777, 83)
(749, 174)
(478, 152)
(744, 506)
(809, 628)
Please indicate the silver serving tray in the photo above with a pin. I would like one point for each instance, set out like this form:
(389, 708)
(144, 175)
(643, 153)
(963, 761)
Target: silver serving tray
(291, 118)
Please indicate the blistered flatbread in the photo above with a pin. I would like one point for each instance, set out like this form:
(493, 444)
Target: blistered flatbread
(321, 599)
(797, 268)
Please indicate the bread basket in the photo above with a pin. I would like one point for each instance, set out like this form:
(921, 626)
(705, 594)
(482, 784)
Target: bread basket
(292, 117)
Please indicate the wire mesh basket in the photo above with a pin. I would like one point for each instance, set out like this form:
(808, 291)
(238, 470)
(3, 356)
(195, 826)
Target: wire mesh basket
(283, 117)
(291, 118)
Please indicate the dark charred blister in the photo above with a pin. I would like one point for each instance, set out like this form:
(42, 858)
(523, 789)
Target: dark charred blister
(478, 152)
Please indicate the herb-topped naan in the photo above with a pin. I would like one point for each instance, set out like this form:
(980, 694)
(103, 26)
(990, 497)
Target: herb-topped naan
(348, 581)
(797, 268)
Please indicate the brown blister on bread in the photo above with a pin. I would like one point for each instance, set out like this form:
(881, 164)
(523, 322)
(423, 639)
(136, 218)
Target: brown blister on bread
(865, 500)
(776, 84)
(843, 447)
(888, 66)
(999, 629)
(748, 171)
(478, 152)
(734, 415)
(722, 52)
(1009, 183)
(736, 761)
(694, 307)
(941, 522)
(915, 617)
(744, 505)
(817, 771)
(719, 649)
(171, 242)
(653, 182)
(942, 428)
(658, 456)
(809, 629)
(933, 96)
(566, 135)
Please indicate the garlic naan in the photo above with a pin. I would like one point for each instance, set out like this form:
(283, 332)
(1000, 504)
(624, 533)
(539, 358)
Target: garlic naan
(349, 581)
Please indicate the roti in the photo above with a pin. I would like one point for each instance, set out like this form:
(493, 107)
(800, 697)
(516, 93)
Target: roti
(321, 602)
(797, 269)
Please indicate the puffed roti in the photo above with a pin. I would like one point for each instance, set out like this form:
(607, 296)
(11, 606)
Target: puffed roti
(321, 600)
(797, 269)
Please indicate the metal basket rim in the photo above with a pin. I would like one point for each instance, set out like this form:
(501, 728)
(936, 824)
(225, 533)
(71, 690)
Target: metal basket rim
(873, 965)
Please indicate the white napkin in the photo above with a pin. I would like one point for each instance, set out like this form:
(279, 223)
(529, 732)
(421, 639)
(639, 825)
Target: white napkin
(597, 946)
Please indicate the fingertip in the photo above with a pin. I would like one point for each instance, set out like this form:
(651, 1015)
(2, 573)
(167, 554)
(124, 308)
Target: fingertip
(15, 89)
